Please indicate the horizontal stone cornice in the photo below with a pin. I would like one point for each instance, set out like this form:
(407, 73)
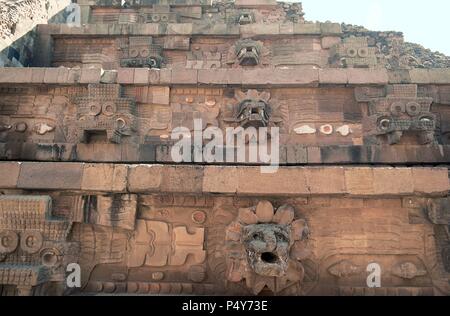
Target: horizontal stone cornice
(185, 179)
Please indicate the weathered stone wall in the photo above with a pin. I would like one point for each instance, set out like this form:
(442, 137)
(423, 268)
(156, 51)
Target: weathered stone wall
(18, 20)
(398, 53)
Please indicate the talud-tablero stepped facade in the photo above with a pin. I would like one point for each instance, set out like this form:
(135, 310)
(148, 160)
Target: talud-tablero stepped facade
(88, 177)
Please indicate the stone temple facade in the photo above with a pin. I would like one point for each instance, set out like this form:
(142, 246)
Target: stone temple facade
(88, 177)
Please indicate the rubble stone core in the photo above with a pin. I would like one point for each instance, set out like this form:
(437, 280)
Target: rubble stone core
(87, 175)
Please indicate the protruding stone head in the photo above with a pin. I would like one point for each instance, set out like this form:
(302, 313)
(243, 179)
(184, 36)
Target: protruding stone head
(267, 247)
(248, 52)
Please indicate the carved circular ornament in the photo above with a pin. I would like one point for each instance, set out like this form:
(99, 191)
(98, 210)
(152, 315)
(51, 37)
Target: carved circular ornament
(397, 108)
(94, 108)
(21, 127)
(109, 108)
(9, 241)
(50, 257)
(121, 123)
(145, 52)
(413, 108)
(199, 217)
(384, 124)
(31, 241)
(156, 17)
(326, 129)
(352, 52)
(363, 52)
(133, 53)
(266, 247)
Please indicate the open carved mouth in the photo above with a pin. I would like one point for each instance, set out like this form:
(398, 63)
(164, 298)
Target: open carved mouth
(248, 56)
(256, 114)
(269, 257)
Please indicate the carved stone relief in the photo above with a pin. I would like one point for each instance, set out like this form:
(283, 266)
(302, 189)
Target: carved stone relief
(354, 52)
(247, 53)
(103, 110)
(400, 112)
(252, 109)
(34, 245)
(141, 52)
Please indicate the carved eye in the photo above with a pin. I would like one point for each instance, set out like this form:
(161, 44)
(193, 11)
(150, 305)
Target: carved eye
(258, 236)
(397, 108)
(9, 241)
(153, 62)
(281, 238)
(363, 52)
(145, 52)
(121, 123)
(134, 53)
(413, 108)
(50, 257)
(385, 124)
(94, 108)
(351, 52)
(156, 18)
(109, 108)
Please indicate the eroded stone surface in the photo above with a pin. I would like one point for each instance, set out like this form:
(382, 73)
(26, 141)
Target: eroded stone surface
(91, 178)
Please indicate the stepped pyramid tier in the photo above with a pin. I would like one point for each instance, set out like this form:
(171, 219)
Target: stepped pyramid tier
(353, 172)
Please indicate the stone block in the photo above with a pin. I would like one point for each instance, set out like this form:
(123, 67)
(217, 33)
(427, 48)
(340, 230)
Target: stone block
(359, 181)
(51, 75)
(367, 76)
(296, 154)
(392, 181)
(125, 76)
(280, 77)
(15, 75)
(307, 28)
(439, 76)
(419, 76)
(104, 177)
(50, 176)
(160, 95)
(184, 76)
(90, 75)
(286, 181)
(314, 155)
(9, 174)
(330, 41)
(213, 76)
(98, 152)
(182, 179)
(260, 29)
(254, 3)
(154, 76)
(141, 76)
(63, 75)
(165, 76)
(286, 28)
(109, 76)
(38, 75)
(325, 180)
(220, 179)
(144, 178)
(431, 180)
(74, 75)
(330, 28)
(179, 29)
(333, 76)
